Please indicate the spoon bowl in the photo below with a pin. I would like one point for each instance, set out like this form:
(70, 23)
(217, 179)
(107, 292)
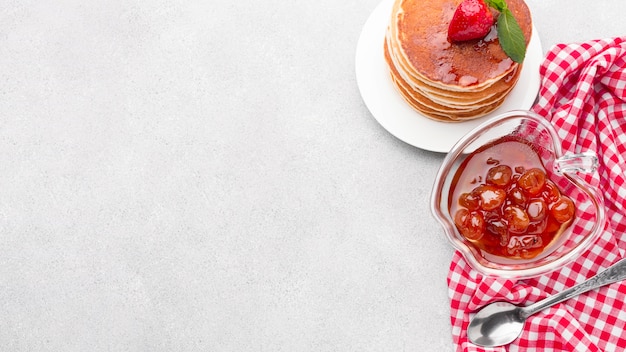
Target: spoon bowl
(498, 323)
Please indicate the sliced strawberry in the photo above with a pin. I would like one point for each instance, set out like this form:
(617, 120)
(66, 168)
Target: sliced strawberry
(471, 20)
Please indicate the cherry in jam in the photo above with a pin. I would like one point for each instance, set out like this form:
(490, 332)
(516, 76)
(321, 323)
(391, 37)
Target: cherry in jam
(504, 202)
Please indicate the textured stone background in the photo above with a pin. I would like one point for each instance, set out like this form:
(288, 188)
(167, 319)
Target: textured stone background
(204, 176)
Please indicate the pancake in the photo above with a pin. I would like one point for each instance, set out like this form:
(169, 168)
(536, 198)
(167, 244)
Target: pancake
(443, 80)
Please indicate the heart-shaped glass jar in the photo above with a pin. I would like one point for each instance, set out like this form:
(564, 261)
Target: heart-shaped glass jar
(521, 140)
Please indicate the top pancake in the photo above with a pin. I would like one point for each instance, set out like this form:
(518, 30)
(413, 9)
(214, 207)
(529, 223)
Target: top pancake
(420, 27)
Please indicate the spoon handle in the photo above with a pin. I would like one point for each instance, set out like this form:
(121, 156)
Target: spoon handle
(614, 273)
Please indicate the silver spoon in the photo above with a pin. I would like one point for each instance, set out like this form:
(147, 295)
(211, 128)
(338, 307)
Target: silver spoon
(500, 323)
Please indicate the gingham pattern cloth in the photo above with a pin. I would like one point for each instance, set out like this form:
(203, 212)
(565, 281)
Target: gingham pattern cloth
(583, 94)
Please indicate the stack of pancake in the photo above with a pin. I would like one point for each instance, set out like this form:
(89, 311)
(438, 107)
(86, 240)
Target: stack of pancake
(449, 81)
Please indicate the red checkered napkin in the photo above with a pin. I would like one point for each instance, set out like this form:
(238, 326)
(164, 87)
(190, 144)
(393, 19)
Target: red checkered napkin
(583, 93)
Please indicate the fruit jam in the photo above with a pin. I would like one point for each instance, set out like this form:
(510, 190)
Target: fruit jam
(503, 202)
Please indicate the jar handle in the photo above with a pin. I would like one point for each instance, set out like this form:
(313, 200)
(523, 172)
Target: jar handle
(586, 162)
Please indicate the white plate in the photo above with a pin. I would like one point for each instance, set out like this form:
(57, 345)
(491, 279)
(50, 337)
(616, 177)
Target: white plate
(400, 119)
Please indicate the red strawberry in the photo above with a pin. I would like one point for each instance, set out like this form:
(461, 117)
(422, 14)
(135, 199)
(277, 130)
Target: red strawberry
(471, 20)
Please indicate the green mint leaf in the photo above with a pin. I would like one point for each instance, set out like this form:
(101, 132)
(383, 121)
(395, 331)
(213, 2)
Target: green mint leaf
(499, 5)
(511, 36)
